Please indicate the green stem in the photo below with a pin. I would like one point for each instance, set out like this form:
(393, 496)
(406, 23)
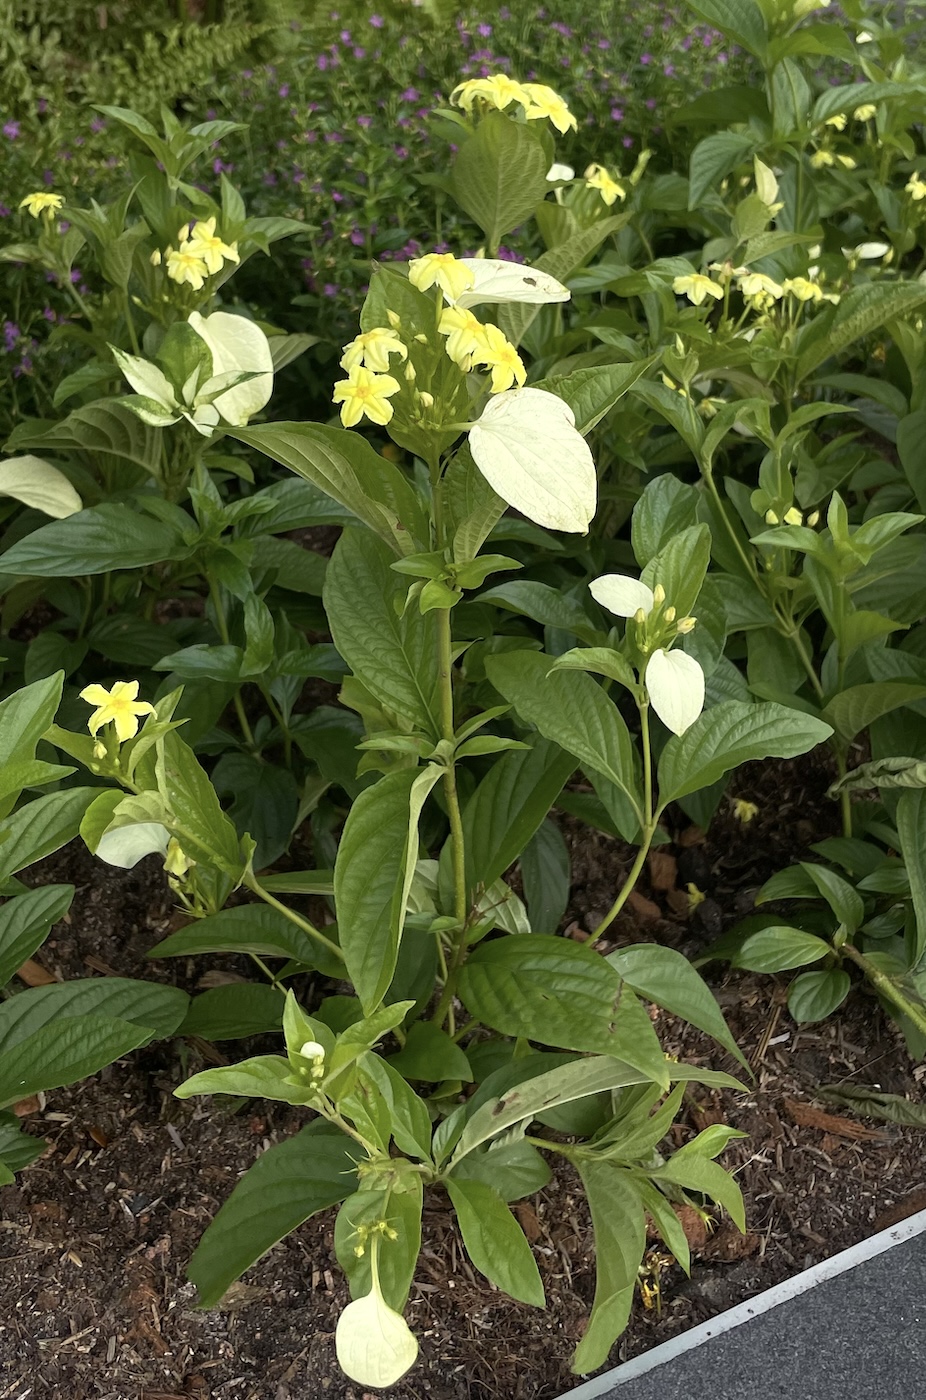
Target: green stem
(130, 322)
(222, 625)
(271, 977)
(883, 984)
(649, 829)
(457, 840)
(254, 885)
(748, 561)
(793, 635)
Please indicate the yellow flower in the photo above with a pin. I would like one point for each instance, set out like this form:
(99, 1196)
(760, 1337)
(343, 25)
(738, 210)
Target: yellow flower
(464, 333)
(502, 358)
(695, 896)
(597, 178)
(499, 91)
(847, 162)
(373, 349)
(176, 861)
(756, 284)
(916, 187)
(186, 266)
(38, 203)
(821, 158)
(155, 259)
(544, 102)
(117, 706)
(452, 276)
(838, 121)
(696, 287)
(744, 811)
(803, 289)
(364, 392)
(205, 243)
(865, 112)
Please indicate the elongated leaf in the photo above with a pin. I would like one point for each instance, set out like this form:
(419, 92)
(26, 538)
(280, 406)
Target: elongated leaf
(666, 507)
(260, 1077)
(713, 159)
(495, 1241)
(560, 262)
(743, 21)
(394, 656)
(25, 922)
(889, 1108)
(203, 829)
(911, 827)
(346, 467)
(509, 805)
(854, 709)
(400, 1204)
(64, 1051)
(780, 947)
(547, 605)
(514, 1169)
(815, 995)
(573, 711)
(25, 716)
(499, 175)
(104, 429)
(728, 735)
(234, 1011)
(861, 312)
(666, 977)
(42, 826)
(158, 1010)
(546, 875)
(372, 877)
(845, 902)
(591, 393)
(94, 541)
(681, 567)
(620, 1239)
(289, 1184)
(559, 993)
(248, 928)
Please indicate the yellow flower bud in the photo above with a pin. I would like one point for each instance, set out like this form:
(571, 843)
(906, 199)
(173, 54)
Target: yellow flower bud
(659, 595)
(771, 518)
(393, 320)
(813, 519)
(155, 259)
(670, 614)
(686, 625)
(639, 617)
(793, 517)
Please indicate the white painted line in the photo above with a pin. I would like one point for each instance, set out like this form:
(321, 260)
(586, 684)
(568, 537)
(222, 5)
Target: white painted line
(753, 1307)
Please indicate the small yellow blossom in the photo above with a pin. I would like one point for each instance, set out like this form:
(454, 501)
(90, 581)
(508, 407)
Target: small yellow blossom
(544, 102)
(118, 706)
(451, 275)
(373, 349)
(838, 121)
(696, 287)
(498, 91)
(756, 284)
(176, 861)
(793, 516)
(695, 896)
(205, 243)
(464, 333)
(498, 354)
(916, 187)
(821, 158)
(38, 203)
(771, 518)
(865, 112)
(744, 811)
(803, 289)
(364, 392)
(155, 259)
(185, 266)
(847, 162)
(597, 178)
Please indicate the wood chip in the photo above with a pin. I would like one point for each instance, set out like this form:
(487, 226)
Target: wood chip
(644, 908)
(806, 1116)
(34, 975)
(663, 869)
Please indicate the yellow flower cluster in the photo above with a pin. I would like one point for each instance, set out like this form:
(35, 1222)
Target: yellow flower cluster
(201, 253)
(916, 187)
(539, 101)
(41, 203)
(369, 386)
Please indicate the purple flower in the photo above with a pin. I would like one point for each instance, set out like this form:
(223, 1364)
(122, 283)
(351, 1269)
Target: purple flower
(48, 313)
(24, 367)
(377, 21)
(401, 152)
(345, 36)
(617, 114)
(321, 63)
(484, 29)
(357, 238)
(331, 289)
(627, 142)
(283, 90)
(365, 122)
(269, 177)
(410, 95)
(646, 59)
(360, 53)
(247, 72)
(333, 138)
(98, 124)
(222, 167)
(11, 131)
(11, 334)
(604, 43)
(4, 212)
(650, 104)
(562, 29)
(41, 106)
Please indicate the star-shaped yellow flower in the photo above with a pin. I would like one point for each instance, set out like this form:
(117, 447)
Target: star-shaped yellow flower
(117, 706)
(186, 266)
(544, 102)
(464, 334)
(597, 178)
(205, 243)
(373, 349)
(502, 358)
(364, 392)
(39, 202)
(498, 91)
(451, 275)
(696, 287)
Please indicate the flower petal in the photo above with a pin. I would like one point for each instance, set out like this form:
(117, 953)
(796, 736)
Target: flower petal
(498, 280)
(528, 449)
(375, 1345)
(675, 683)
(621, 595)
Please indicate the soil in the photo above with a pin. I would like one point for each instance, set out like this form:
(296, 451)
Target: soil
(96, 1235)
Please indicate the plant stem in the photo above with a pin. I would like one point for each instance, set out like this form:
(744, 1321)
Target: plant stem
(130, 322)
(883, 984)
(271, 977)
(222, 626)
(649, 829)
(457, 840)
(254, 885)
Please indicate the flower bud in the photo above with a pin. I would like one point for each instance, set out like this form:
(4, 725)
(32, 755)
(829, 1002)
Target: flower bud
(686, 625)
(639, 617)
(659, 595)
(427, 400)
(670, 615)
(813, 519)
(394, 320)
(771, 518)
(155, 259)
(793, 516)
(311, 1050)
(410, 372)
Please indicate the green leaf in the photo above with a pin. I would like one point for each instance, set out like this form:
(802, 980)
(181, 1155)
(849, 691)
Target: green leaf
(514, 1169)
(25, 922)
(290, 1183)
(691, 1170)
(559, 993)
(495, 1241)
(508, 806)
(619, 1226)
(261, 1077)
(499, 175)
(17, 1149)
(395, 656)
(25, 716)
(574, 712)
(516, 318)
(373, 873)
(861, 312)
(400, 1204)
(844, 901)
(681, 567)
(814, 995)
(202, 828)
(234, 1011)
(743, 21)
(94, 541)
(409, 1119)
(546, 872)
(63, 1052)
(890, 1108)
(429, 1054)
(544, 604)
(714, 158)
(104, 429)
(856, 708)
(591, 393)
(774, 949)
(157, 1010)
(851, 95)
(911, 828)
(247, 928)
(665, 508)
(345, 466)
(728, 735)
(41, 827)
(667, 978)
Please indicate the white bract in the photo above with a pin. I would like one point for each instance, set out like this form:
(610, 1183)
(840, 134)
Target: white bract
(40, 485)
(125, 846)
(240, 384)
(674, 680)
(560, 172)
(528, 449)
(375, 1345)
(497, 280)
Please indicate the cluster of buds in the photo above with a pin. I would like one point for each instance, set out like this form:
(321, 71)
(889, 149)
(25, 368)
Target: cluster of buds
(315, 1055)
(792, 516)
(363, 1232)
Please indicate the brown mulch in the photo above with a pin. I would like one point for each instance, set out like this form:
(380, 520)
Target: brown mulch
(96, 1235)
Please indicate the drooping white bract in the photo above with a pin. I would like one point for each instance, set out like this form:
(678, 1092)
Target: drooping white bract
(40, 485)
(374, 1344)
(560, 172)
(674, 680)
(528, 448)
(497, 280)
(675, 685)
(238, 346)
(125, 846)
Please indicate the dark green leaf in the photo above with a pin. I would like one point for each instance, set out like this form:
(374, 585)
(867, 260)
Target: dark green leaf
(234, 1011)
(495, 1241)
